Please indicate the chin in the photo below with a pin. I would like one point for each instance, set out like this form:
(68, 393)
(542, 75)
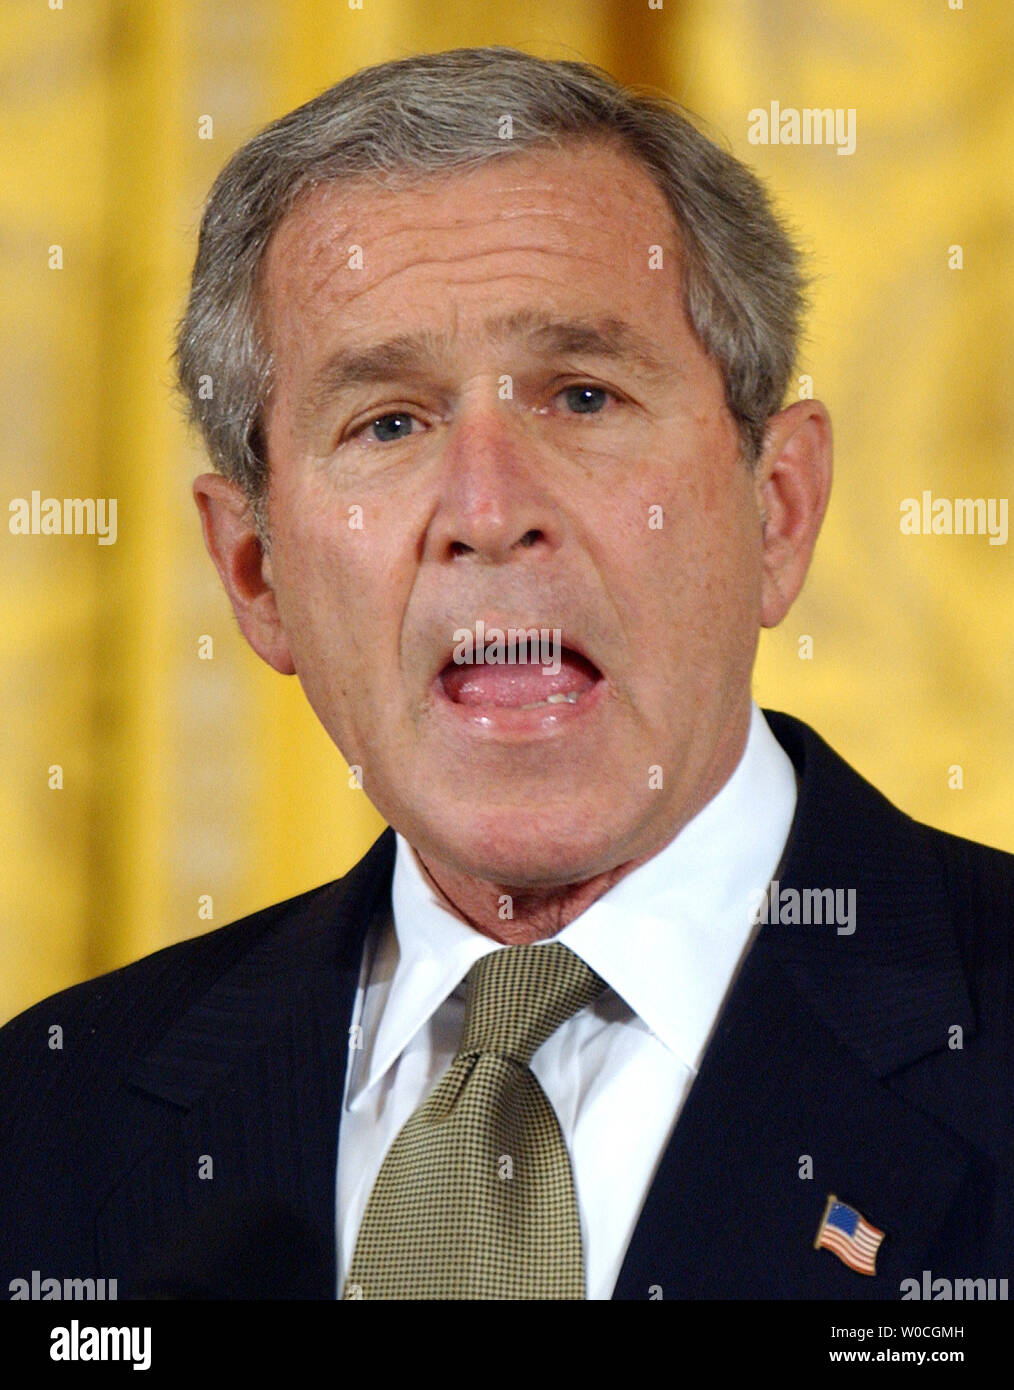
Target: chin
(526, 848)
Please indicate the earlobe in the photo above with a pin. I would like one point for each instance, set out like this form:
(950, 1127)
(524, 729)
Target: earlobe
(243, 567)
(793, 483)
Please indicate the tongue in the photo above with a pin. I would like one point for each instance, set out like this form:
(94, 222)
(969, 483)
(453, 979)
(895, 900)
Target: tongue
(505, 686)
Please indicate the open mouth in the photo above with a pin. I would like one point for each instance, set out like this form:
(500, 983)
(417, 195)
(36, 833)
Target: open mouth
(522, 684)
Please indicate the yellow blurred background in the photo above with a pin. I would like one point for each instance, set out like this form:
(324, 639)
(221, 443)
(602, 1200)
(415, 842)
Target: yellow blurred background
(194, 786)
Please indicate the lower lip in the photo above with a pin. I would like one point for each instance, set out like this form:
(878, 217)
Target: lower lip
(516, 724)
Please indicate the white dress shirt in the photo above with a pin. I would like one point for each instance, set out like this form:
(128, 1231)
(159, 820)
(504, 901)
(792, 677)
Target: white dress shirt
(667, 939)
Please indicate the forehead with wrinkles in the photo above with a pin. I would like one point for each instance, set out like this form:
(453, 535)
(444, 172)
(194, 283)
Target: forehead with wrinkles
(581, 205)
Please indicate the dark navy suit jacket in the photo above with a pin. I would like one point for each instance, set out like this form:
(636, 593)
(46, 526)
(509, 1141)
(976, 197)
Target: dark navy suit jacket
(883, 1057)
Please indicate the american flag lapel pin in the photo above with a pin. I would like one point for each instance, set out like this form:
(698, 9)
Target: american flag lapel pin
(849, 1235)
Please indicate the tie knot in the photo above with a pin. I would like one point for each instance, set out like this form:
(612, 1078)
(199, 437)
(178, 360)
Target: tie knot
(519, 996)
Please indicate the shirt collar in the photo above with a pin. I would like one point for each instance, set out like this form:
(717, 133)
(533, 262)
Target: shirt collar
(667, 937)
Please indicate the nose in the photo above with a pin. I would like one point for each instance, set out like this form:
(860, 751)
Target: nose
(495, 499)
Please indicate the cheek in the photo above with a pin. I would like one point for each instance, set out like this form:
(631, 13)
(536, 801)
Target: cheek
(340, 573)
(689, 518)
(685, 549)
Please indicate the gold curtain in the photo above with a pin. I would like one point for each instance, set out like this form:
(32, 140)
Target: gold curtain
(157, 786)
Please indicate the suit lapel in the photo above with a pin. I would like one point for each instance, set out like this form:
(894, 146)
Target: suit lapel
(240, 1102)
(732, 1213)
(799, 1075)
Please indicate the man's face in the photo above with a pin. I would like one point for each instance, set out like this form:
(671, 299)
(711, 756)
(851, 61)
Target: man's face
(506, 391)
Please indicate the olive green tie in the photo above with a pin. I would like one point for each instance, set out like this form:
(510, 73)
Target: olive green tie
(475, 1198)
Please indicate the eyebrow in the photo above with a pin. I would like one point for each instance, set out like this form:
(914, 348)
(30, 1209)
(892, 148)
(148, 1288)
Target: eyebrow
(362, 366)
(412, 355)
(608, 337)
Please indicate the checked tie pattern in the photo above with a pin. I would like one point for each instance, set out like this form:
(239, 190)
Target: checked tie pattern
(475, 1198)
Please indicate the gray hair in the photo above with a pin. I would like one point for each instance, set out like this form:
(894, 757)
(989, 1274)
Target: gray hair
(401, 121)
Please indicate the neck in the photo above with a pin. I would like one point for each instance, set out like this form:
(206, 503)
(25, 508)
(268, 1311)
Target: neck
(535, 913)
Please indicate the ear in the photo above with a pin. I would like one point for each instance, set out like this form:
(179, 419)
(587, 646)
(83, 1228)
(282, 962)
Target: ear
(243, 567)
(793, 479)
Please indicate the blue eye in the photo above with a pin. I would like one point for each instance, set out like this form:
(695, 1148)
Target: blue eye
(390, 427)
(585, 400)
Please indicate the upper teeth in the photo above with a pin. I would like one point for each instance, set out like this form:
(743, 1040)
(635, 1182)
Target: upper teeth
(571, 699)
